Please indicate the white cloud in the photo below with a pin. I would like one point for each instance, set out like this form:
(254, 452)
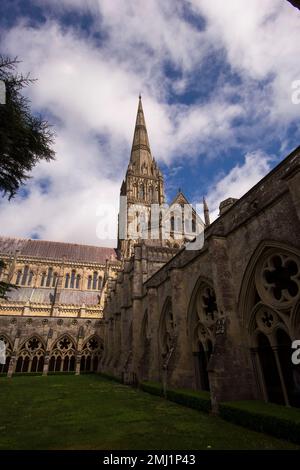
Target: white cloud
(90, 87)
(261, 41)
(239, 180)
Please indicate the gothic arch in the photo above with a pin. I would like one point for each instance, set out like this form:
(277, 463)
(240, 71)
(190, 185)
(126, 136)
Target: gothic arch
(64, 336)
(91, 354)
(247, 293)
(31, 337)
(269, 310)
(31, 355)
(202, 316)
(62, 354)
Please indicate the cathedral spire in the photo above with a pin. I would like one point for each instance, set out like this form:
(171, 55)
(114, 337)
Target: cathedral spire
(206, 213)
(141, 157)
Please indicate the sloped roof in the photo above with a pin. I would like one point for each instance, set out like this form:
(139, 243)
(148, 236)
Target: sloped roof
(45, 296)
(56, 250)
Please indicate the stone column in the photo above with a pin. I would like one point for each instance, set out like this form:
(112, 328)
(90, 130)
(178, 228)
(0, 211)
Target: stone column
(137, 309)
(153, 318)
(46, 364)
(230, 370)
(183, 375)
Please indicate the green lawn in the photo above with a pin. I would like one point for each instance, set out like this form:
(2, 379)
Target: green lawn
(89, 412)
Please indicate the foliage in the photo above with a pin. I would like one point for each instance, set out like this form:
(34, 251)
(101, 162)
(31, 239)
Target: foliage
(110, 377)
(5, 287)
(198, 400)
(25, 139)
(276, 420)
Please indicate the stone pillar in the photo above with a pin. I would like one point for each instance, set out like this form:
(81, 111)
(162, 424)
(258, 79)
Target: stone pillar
(183, 375)
(46, 364)
(77, 365)
(12, 365)
(230, 370)
(137, 309)
(153, 318)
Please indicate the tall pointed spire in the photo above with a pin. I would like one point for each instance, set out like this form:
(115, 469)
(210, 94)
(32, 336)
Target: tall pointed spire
(141, 157)
(206, 213)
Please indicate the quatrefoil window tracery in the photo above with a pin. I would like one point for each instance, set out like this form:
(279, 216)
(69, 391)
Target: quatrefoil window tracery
(278, 279)
(64, 344)
(33, 344)
(93, 344)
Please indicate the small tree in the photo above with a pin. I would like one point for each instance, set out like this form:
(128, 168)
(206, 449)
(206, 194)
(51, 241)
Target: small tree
(25, 139)
(5, 287)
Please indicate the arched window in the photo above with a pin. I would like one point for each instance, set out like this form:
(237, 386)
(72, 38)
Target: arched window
(151, 194)
(95, 279)
(90, 281)
(72, 282)
(31, 356)
(49, 277)
(77, 281)
(67, 280)
(30, 278)
(54, 281)
(141, 191)
(100, 280)
(91, 353)
(270, 370)
(25, 275)
(43, 279)
(62, 355)
(172, 220)
(18, 279)
(202, 318)
(268, 304)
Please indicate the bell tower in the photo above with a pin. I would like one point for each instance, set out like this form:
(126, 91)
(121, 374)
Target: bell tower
(143, 185)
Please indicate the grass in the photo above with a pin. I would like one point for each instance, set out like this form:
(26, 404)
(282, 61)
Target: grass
(90, 412)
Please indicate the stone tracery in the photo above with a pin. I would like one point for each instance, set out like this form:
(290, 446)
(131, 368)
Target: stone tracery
(277, 281)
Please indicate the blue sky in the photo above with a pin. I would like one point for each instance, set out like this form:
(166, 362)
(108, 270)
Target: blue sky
(216, 80)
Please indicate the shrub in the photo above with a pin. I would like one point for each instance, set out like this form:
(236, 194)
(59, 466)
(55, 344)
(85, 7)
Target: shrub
(61, 373)
(199, 400)
(152, 387)
(110, 377)
(269, 418)
(21, 374)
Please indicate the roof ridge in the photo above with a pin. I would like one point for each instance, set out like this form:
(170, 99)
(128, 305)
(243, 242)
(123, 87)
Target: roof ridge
(38, 240)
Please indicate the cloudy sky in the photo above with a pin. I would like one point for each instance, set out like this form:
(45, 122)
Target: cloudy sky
(216, 79)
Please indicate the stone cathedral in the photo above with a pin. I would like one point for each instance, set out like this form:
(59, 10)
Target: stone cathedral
(219, 316)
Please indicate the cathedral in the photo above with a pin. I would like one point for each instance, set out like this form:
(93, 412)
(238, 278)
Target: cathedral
(180, 301)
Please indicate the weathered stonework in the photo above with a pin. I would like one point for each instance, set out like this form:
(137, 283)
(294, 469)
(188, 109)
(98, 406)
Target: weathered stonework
(219, 318)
